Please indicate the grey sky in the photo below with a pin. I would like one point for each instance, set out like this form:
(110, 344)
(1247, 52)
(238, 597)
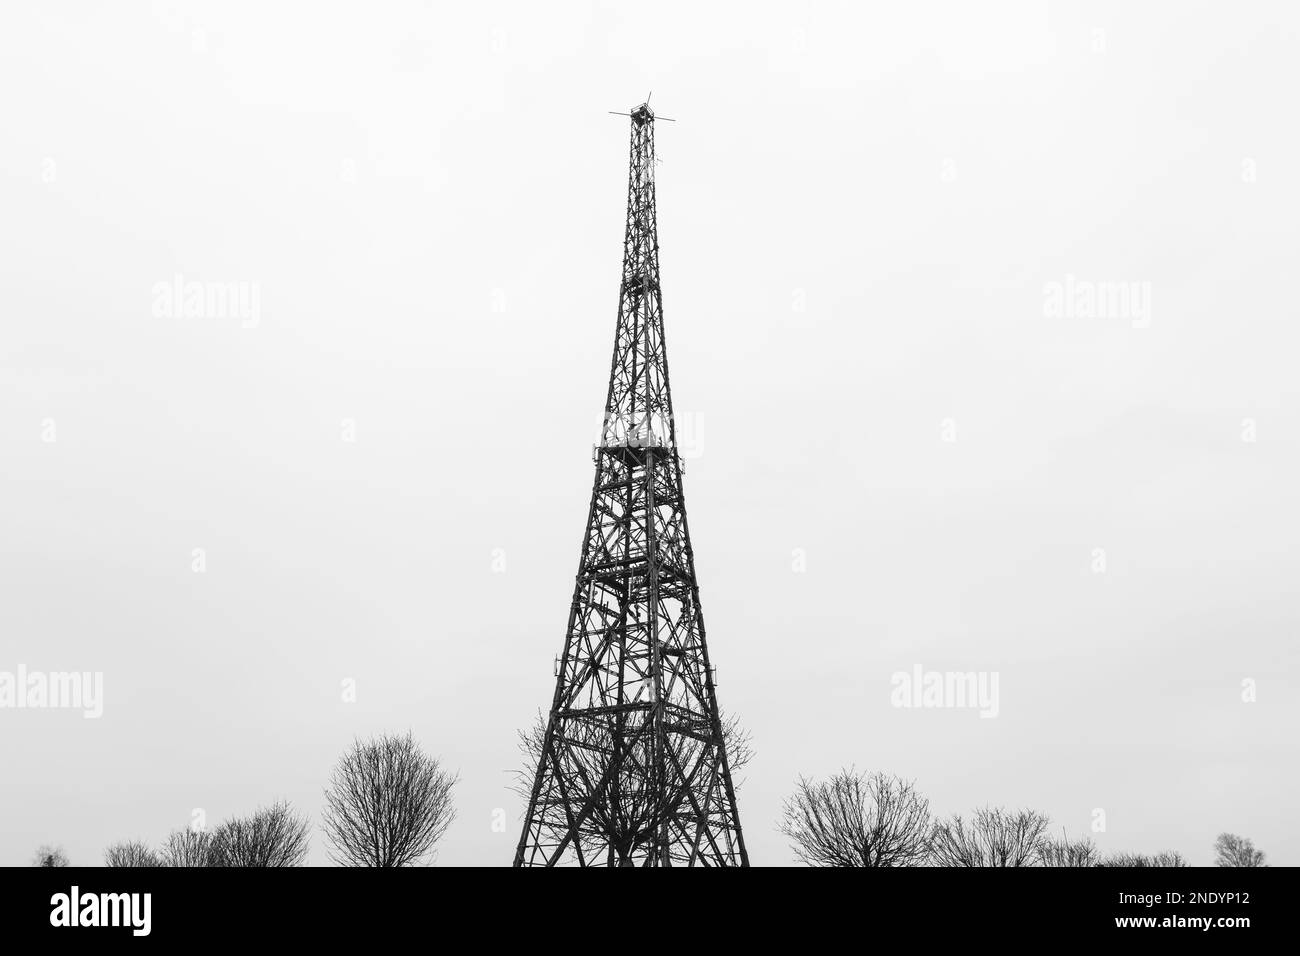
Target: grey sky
(861, 213)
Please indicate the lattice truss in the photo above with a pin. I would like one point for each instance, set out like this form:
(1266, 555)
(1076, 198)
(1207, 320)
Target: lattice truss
(633, 769)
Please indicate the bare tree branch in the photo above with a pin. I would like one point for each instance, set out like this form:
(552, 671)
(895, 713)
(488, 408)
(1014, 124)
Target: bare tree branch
(631, 819)
(388, 804)
(50, 855)
(130, 853)
(1067, 852)
(187, 847)
(857, 820)
(272, 837)
(1232, 850)
(995, 837)
(736, 739)
(1166, 858)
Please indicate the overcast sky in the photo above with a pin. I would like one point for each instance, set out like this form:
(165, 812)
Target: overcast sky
(902, 454)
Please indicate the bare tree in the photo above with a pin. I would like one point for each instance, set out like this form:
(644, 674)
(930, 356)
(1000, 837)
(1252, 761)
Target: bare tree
(131, 853)
(274, 836)
(188, 847)
(995, 837)
(739, 746)
(1067, 852)
(1145, 860)
(736, 739)
(1232, 850)
(50, 855)
(631, 813)
(388, 804)
(857, 819)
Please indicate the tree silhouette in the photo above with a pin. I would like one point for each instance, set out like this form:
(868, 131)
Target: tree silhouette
(858, 820)
(388, 804)
(735, 738)
(49, 855)
(187, 847)
(130, 853)
(1165, 858)
(274, 836)
(632, 818)
(1232, 850)
(1067, 852)
(995, 837)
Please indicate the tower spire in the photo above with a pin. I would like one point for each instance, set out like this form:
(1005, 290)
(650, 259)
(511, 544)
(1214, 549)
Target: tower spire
(633, 765)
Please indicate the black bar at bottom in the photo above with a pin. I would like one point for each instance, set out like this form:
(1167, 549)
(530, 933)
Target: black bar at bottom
(333, 906)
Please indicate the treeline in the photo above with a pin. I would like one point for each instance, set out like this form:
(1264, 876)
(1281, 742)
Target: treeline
(877, 820)
(387, 805)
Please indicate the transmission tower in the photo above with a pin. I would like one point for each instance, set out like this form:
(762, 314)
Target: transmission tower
(632, 769)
